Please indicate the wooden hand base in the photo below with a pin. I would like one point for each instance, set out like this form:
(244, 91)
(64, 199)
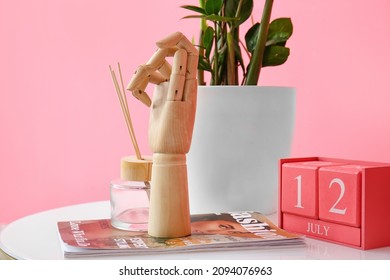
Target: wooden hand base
(169, 214)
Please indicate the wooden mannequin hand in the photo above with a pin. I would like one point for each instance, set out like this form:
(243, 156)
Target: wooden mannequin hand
(170, 131)
(174, 100)
(171, 122)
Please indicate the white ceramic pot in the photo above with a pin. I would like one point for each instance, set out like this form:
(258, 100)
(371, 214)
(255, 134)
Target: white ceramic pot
(239, 136)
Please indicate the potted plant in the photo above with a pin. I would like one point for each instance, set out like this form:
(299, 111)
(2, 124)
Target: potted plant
(241, 129)
(220, 47)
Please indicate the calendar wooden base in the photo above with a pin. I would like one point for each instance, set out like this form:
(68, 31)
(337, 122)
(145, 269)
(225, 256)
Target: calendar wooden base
(368, 198)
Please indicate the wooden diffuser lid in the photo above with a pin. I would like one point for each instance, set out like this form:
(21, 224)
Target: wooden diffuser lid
(133, 169)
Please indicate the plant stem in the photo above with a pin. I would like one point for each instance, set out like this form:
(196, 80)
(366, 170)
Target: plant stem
(203, 26)
(257, 58)
(230, 60)
(216, 79)
(231, 39)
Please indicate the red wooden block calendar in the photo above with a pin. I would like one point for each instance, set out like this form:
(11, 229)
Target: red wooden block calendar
(337, 200)
(300, 187)
(340, 193)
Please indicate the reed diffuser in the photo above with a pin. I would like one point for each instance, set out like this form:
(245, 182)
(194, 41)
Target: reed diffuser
(130, 194)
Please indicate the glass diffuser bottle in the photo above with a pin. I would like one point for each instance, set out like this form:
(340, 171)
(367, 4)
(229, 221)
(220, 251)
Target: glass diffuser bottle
(130, 194)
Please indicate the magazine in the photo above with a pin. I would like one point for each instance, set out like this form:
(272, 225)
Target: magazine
(220, 231)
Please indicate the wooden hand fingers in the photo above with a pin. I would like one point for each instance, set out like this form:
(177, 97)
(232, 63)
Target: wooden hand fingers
(158, 70)
(147, 73)
(178, 40)
(139, 92)
(178, 76)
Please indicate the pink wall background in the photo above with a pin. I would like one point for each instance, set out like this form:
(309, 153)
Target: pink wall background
(62, 132)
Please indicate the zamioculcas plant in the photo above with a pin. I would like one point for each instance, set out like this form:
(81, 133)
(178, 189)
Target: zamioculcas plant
(221, 50)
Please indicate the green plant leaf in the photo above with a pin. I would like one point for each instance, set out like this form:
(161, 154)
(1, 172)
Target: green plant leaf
(214, 18)
(217, 18)
(237, 51)
(275, 55)
(194, 16)
(222, 51)
(203, 64)
(213, 7)
(194, 9)
(251, 37)
(207, 40)
(278, 38)
(220, 77)
(280, 30)
(231, 7)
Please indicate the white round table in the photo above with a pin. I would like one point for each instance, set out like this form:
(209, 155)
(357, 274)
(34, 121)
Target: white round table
(36, 237)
